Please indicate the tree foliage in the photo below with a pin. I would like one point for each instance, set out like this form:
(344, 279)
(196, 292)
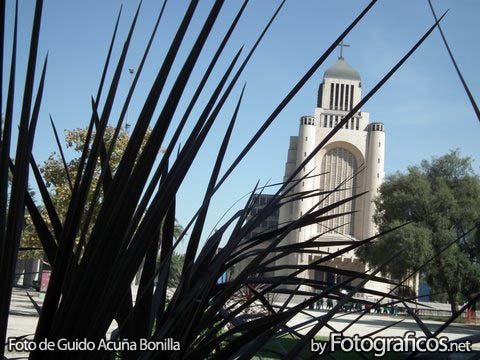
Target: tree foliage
(176, 269)
(54, 172)
(30, 245)
(440, 201)
(56, 178)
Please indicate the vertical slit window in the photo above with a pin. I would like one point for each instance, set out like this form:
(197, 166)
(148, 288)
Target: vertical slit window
(358, 126)
(325, 120)
(346, 97)
(336, 96)
(320, 95)
(351, 97)
(331, 96)
(341, 97)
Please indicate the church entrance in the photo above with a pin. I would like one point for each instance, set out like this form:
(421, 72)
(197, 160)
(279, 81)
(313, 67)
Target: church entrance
(337, 274)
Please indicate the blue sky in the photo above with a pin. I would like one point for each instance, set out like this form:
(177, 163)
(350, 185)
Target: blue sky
(424, 108)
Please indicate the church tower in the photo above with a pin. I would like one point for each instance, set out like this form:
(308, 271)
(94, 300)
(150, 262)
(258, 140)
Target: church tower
(351, 162)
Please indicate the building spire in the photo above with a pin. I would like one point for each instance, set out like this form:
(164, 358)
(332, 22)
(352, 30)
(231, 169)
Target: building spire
(342, 45)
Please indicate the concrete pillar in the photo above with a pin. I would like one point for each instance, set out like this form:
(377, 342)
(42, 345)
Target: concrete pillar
(375, 174)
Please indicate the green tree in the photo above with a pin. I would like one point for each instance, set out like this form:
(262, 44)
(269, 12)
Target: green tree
(176, 269)
(441, 201)
(53, 170)
(30, 245)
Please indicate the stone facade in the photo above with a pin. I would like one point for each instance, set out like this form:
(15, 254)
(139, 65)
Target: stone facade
(351, 162)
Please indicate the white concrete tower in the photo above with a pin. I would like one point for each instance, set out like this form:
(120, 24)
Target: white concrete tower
(345, 154)
(300, 147)
(305, 146)
(374, 174)
(286, 212)
(351, 162)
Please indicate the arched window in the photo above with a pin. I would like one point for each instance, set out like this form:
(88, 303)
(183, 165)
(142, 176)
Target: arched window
(338, 167)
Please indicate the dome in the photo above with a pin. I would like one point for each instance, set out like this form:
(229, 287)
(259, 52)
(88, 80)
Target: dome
(341, 70)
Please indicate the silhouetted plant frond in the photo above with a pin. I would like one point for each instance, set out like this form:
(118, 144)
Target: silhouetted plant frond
(120, 220)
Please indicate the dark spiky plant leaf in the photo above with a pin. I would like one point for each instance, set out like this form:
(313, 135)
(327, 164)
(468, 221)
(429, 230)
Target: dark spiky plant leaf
(47, 200)
(62, 155)
(80, 167)
(314, 297)
(447, 323)
(293, 92)
(5, 129)
(143, 315)
(364, 100)
(209, 249)
(454, 62)
(79, 195)
(90, 284)
(403, 281)
(166, 253)
(133, 147)
(316, 328)
(45, 236)
(164, 162)
(2, 40)
(200, 221)
(16, 208)
(34, 303)
(147, 157)
(105, 171)
(420, 323)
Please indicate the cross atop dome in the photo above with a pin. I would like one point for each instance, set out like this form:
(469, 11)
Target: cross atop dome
(342, 45)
